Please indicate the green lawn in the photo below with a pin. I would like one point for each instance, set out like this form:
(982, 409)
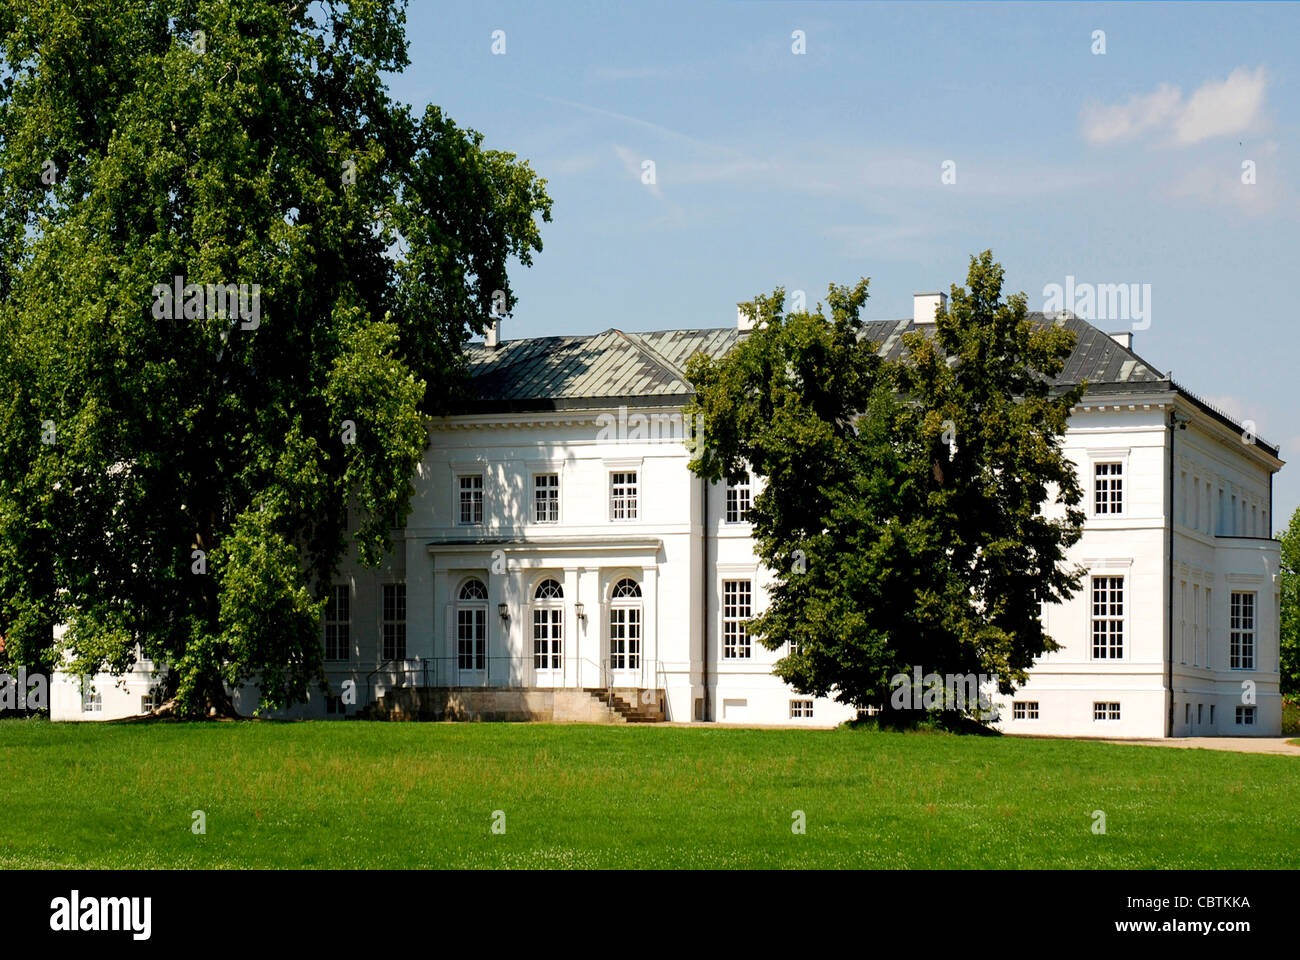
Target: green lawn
(412, 795)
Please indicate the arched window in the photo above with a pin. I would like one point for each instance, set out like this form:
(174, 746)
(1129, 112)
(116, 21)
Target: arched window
(471, 626)
(548, 625)
(625, 626)
(549, 590)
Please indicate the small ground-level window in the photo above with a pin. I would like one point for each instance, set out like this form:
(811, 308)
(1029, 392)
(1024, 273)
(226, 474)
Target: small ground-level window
(1105, 711)
(1211, 714)
(334, 705)
(1246, 716)
(1024, 710)
(92, 701)
(800, 708)
(1187, 713)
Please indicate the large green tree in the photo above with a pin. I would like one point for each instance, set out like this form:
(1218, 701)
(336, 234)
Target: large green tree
(916, 512)
(1290, 601)
(177, 475)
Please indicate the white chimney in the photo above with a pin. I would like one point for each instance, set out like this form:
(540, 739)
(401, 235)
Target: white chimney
(1124, 339)
(492, 335)
(743, 320)
(926, 305)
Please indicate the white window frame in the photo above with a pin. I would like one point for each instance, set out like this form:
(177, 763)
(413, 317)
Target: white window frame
(1120, 474)
(620, 501)
(461, 490)
(92, 700)
(1241, 636)
(553, 502)
(1105, 711)
(1244, 716)
(1024, 710)
(801, 709)
(627, 614)
(548, 620)
(343, 624)
(1108, 617)
(743, 492)
(397, 622)
(736, 642)
(478, 646)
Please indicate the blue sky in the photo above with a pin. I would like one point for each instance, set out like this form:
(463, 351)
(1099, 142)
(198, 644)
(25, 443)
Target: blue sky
(773, 168)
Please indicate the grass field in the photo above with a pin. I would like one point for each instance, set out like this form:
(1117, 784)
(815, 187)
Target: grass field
(423, 795)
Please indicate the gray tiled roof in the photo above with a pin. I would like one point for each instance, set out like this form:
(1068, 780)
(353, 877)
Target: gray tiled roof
(557, 372)
(646, 369)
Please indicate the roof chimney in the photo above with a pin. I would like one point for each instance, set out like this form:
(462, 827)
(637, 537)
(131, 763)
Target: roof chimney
(926, 305)
(743, 320)
(1124, 339)
(492, 335)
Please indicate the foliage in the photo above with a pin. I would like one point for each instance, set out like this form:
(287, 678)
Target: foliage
(178, 480)
(903, 502)
(1289, 587)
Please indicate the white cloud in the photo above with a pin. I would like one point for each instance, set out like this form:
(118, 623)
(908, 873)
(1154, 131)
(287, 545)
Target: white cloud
(1215, 109)
(1220, 109)
(1139, 114)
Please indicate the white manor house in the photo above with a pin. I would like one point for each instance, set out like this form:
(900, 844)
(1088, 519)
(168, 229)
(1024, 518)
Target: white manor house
(561, 562)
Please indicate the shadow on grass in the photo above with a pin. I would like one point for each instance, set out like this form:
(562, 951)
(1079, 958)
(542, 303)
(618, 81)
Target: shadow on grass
(924, 721)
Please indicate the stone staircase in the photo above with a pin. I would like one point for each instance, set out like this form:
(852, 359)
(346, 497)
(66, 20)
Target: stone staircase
(624, 712)
(517, 704)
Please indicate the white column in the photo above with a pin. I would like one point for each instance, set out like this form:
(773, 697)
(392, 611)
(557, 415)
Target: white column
(572, 629)
(650, 626)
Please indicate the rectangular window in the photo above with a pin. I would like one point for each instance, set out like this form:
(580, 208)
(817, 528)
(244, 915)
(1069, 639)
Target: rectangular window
(394, 625)
(471, 499)
(338, 623)
(1245, 716)
(1187, 713)
(1196, 624)
(1024, 710)
(1200, 713)
(800, 709)
(622, 495)
(1205, 646)
(1211, 714)
(92, 701)
(1108, 488)
(334, 704)
(546, 498)
(148, 702)
(471, 638)
(1105, 711)
(625, 637)
(1241, 632)
(548, 636)
(737, 607)
(1107, 618)
(738, 501)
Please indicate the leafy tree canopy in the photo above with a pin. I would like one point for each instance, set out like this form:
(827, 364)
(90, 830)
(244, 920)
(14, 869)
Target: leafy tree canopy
(175, 471)
(915, 512)
(1290, 600)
